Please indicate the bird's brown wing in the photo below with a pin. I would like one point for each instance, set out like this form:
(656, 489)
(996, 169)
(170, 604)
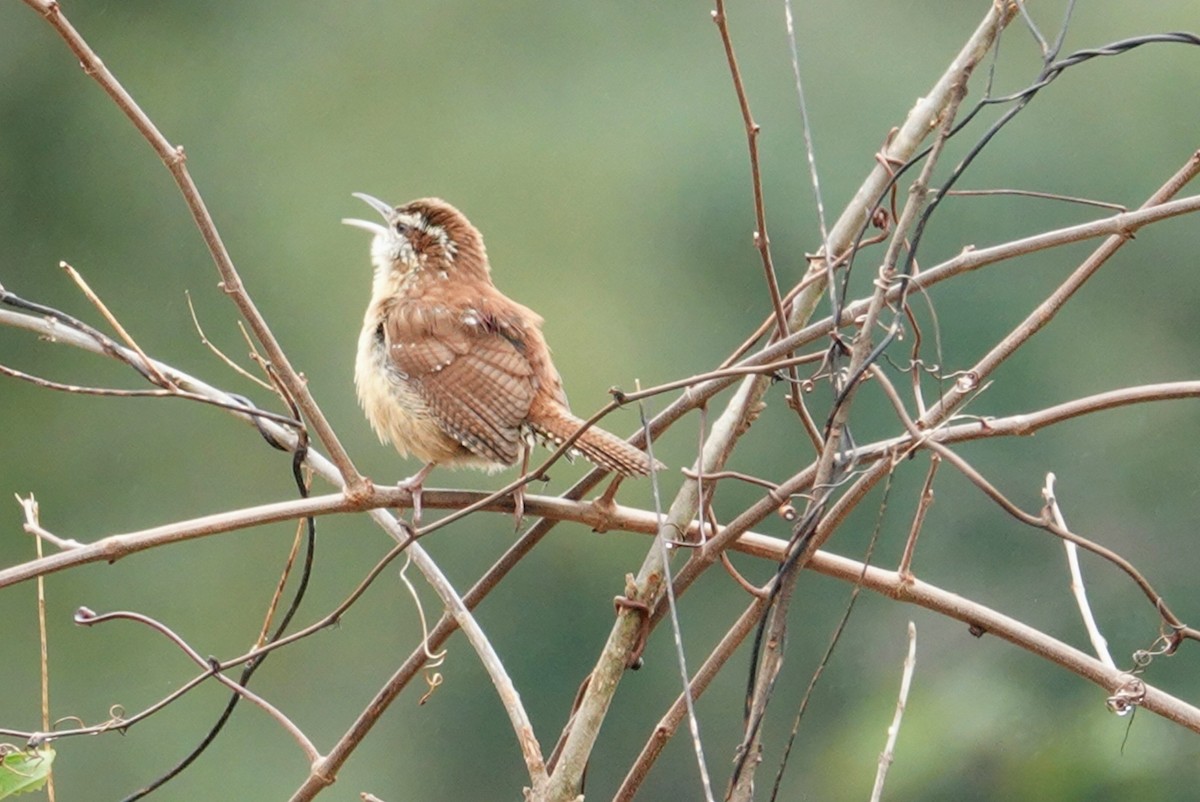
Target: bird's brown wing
(469, 367)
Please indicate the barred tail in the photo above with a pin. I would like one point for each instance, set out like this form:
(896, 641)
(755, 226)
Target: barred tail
(603, 448)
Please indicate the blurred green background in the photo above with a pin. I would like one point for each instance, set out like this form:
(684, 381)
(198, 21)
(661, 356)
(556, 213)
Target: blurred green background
(599, 148)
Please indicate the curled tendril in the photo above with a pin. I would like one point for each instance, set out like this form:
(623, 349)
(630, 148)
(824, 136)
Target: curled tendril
(1128, 696)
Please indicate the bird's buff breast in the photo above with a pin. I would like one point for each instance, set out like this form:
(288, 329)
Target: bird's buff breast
(397, 413)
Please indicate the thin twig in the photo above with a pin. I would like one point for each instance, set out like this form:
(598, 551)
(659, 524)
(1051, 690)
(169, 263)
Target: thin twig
(676, 627)
(31, 512)
(88, 618)
(761, 241)
(435, 658)
(33, 526)
(264, 632)
(118, 721)
(733, 372)
(889, 750)
(675, 715)
(1030, 193)
(1053, 528)
(234, 366)
(116, 392)
(924, 502)
(806, 125)
(1029, 423)
(1078, 589)
(91, 295)
(59, 327)
(1047, 309)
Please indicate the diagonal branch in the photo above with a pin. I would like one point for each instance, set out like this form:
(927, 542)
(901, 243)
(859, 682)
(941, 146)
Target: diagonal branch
(173, 157)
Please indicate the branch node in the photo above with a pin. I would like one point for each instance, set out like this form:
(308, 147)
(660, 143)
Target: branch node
(320, 771)
(360, 493)
(605, 509)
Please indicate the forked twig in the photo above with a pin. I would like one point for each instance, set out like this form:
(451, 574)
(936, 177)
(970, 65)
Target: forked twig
(86, 617)
(218, 352)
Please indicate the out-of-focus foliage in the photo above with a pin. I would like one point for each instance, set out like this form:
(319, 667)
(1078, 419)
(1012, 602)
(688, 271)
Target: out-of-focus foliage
(599, 148)
(24, 772)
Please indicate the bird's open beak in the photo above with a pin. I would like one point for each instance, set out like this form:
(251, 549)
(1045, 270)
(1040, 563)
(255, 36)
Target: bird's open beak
(384, 210)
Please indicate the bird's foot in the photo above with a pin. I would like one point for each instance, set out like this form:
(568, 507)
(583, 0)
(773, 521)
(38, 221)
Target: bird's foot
(415, 485)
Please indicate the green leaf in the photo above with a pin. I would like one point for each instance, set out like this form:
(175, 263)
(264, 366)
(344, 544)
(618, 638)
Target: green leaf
(24, 771)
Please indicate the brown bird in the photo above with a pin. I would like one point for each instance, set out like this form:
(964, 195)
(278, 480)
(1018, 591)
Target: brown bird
(451, 370)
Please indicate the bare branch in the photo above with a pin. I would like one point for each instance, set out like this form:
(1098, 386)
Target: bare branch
(86, 617)
(114, 547)
(924, 502)
(983, 619)
(174, 159)
(218, 352)
(761, 241)
(674, 716)
(1078, 589)
(1045, 311)
(889, 751)
(90, 294)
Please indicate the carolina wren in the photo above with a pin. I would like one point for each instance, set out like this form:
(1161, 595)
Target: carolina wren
(451, 370)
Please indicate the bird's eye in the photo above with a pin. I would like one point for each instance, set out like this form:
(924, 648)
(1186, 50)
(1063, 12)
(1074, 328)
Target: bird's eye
(406, 223)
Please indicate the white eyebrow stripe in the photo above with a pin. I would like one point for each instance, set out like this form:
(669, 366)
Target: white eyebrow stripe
(410, 220)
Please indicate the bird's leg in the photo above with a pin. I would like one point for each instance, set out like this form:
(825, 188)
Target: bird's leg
(519, 493)
(415, 485)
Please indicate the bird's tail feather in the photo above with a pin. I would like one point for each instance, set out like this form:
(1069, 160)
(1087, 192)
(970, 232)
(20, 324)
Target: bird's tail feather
(603, 448)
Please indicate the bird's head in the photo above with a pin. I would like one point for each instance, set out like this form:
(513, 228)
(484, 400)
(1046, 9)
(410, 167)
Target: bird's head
(426, 238)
